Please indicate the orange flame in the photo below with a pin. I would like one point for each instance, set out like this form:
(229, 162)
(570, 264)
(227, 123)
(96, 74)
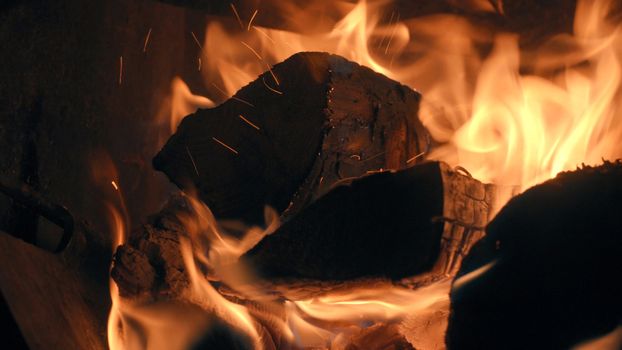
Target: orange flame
(503, 125)
(524, 129)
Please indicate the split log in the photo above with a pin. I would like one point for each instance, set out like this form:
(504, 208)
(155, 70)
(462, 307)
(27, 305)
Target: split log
(390, 224)
(288, 137)
(545, 274)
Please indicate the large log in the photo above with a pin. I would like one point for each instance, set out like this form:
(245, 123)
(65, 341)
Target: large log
(547, 273)
(390, 224)
(284, 144)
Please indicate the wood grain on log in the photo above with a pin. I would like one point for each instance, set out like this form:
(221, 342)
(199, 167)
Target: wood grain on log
(328, 119)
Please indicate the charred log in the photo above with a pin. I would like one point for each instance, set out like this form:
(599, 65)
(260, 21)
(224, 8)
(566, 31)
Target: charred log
(545, 274)
(150, 266)
(286, 138)
(390, 224)
(421, 220)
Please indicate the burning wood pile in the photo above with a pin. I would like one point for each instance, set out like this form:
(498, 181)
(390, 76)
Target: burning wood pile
(334, 154)
(339, 153)
(323, 203)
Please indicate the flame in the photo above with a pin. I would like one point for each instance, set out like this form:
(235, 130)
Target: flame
(211, 254)
(526, 128)
(509, 116)
(503, 126)
(180, 103)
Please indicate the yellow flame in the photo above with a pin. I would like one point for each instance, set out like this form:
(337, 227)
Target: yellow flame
(180, 103)
(524, 129)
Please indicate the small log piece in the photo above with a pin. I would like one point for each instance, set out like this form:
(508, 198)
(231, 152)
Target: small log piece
(288, 137)
(547, 273)
(389, 224)
(150, 266)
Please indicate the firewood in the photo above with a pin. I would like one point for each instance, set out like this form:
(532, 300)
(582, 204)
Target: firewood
(288, 137)
(545, 274)
(390, 224)
(150, 266)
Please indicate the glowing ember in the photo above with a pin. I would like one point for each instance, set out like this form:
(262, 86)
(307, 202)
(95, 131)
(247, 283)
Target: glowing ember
(147, 40)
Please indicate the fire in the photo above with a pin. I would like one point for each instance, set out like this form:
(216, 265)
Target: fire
(211, 254)
(525, 129)
(180, 103)
(504, 126)
(510, 117)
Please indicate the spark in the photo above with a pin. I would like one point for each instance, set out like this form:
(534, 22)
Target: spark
(248, 122)
(276, 80)
(265, 34)
(196, 40)
(415, 157)
(384, 37)
(225, 145)
(273, 75)
(250, 22)
(233, 97)
(114, 184)
(200, 63)
(196, 170)
(235, 12)
(373, 157)
(252, 50)
(270, 88)
(464, 279)
(120, 70)
(147, 40)
(392, 33)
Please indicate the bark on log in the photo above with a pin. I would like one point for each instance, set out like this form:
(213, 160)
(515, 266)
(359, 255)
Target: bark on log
(390, 224)
(328, 119)
(545, 274)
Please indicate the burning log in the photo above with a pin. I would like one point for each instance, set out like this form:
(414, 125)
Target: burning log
(545, 272)
(151, 265)
(288, 137)
(390, 224)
